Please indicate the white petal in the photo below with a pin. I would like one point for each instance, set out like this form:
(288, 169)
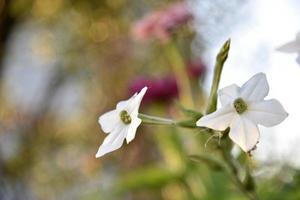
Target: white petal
(141, 94)
(132, 129)
(108, 121)
(229, 94)
(218, 120)
(256, 88)
(244, 133)
(267, 113)
(290, 47)
(122, 105)
(132, 105)
(113, 141)
(137, 101)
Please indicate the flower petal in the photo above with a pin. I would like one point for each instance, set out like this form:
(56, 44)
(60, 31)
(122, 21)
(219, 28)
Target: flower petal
(132, 105)
(137, 101)
(113, 141)
(218, 120)
(267, 113)
(244, 133)
(256, 88)
(108, 121)
(132, 129)
(229, 94)
(290, 47)
(122, 105)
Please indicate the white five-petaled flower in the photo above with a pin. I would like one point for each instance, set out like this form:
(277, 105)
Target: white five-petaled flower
(292, 47)
(120, 123)
(243, 108)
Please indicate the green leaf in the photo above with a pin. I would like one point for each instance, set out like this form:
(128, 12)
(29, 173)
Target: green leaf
(209, 161)
(151, 177)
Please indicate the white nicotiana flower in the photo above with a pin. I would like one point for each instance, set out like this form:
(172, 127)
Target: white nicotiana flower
(243, 108)
(292, 47)
(120, 123)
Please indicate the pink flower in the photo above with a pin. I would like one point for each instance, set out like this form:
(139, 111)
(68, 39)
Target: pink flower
(196, 68)
(163, 89)
(160, 24)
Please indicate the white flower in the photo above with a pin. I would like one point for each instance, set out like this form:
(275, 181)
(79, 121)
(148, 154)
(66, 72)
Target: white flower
(242, 109)
(120, 123)
(292, 47)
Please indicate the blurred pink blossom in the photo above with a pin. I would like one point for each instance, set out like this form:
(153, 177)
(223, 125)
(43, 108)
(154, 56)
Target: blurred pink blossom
(161, 23)
(159, 89)
(165, 88)
(196, 68)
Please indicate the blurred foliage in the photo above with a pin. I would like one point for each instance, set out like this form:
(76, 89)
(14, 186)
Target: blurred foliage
(45, 154)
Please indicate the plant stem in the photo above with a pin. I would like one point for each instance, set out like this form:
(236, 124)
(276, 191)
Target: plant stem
(178, 65)
(211, 107)
(251, 195)
(220, 60)
(148, 119)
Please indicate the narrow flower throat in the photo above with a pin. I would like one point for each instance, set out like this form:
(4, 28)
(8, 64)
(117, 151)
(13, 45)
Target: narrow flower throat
(125, 117)
(240, 105)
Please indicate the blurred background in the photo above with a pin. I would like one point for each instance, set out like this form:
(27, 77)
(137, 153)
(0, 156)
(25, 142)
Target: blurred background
(65, 62)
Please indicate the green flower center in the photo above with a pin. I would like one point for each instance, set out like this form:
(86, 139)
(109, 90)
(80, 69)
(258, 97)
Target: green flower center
(125, 117)
(240, 105)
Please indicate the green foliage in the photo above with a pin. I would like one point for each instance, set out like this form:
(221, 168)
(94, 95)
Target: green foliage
(211, 162)
(152, 177)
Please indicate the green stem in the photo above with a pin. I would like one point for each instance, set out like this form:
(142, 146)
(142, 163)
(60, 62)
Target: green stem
(211, 107)
(178, 65)
(220, 60)
(148, 119)
(251, 195)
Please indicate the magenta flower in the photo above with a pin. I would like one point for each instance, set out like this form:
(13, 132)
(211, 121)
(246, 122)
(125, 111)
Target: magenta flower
(163, 89)
(196, 68)
(160, 24)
